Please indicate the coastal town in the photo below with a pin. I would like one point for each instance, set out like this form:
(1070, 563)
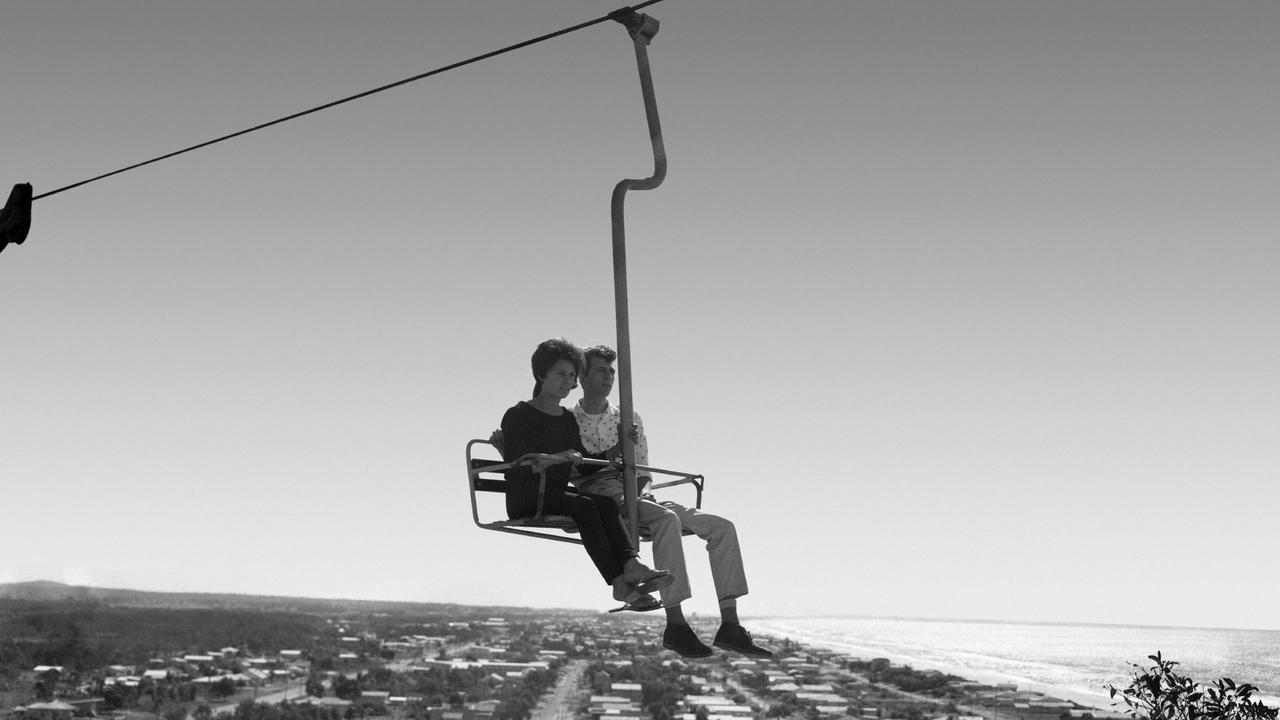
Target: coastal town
(558, 666)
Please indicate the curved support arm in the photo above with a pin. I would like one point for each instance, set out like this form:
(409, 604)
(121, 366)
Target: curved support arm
(642, 29)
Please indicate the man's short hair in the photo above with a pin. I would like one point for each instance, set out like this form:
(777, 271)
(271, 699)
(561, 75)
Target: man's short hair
(604, 352)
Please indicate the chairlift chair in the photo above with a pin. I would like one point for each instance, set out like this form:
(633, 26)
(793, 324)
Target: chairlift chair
(486, 475)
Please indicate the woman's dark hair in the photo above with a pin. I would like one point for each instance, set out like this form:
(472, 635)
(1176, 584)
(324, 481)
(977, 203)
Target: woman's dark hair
(548, 353)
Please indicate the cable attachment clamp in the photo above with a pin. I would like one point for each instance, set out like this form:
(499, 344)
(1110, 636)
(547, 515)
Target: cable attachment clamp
(638, 24)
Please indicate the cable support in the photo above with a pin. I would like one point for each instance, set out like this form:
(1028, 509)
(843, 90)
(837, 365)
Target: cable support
(615, 15)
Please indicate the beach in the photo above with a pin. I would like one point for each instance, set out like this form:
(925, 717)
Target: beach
(1074, 662)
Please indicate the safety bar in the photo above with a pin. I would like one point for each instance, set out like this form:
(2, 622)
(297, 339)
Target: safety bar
(528, 458)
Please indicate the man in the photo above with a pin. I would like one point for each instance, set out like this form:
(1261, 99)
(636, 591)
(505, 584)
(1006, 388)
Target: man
(598, 422)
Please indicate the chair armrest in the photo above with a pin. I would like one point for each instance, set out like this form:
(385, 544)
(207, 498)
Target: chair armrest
(696, 481)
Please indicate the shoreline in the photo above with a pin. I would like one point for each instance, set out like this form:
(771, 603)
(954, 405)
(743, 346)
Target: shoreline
(1099, 701)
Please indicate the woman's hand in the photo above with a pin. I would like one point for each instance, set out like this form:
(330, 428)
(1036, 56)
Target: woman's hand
(542, 461)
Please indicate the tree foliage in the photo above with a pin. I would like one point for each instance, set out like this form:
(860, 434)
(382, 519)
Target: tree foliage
(662, 686)
(249, 710)
(346, 688)
(86, 635)
(1160, 693)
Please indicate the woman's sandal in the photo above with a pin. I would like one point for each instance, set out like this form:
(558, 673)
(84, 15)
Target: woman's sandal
(638, 601)
(655, 580)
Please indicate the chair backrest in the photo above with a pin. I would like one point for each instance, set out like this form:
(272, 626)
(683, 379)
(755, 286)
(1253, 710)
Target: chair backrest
(486, 475)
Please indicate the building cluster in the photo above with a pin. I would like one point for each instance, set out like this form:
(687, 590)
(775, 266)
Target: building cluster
(1014, 703)
(806, 682)
(85, 698)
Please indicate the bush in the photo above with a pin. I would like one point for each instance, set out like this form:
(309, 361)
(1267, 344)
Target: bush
(1160, 693)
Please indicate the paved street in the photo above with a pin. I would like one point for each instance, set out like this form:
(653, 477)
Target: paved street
(561, 702)
(293, 689)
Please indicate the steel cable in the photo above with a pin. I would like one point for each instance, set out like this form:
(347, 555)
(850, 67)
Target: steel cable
(542, 38)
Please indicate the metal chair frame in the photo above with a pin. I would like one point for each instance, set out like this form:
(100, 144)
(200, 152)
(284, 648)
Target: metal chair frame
(487, 475)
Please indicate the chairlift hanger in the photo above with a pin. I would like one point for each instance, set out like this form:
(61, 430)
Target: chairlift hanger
(642, 29)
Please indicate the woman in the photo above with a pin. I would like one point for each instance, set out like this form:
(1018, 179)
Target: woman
(543, 429)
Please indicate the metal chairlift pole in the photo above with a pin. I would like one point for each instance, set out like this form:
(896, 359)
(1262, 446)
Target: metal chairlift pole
(642, 29)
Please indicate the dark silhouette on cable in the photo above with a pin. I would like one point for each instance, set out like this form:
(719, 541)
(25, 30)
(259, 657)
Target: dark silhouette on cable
(15, 218)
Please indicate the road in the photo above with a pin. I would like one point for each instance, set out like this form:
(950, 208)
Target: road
(732, 686)
(292, 689)
(561, 701)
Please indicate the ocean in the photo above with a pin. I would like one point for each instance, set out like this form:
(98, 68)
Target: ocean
(1071, 662)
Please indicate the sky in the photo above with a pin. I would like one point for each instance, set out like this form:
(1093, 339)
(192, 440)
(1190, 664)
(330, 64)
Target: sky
(965, 308)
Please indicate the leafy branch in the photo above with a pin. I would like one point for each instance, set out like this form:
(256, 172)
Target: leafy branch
(1160, 693)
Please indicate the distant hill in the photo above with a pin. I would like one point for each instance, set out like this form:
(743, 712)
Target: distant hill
(41, 590)
(49, 623)
(47, 591)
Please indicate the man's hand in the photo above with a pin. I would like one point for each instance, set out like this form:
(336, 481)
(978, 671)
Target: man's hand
(497, 438)
(615, 452)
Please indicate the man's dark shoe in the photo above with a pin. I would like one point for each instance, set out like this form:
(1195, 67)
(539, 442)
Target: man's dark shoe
(682, 639)
(732, 636)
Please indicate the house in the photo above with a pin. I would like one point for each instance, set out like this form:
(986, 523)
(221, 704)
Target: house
(822, 698)
(46, 711)
(87, 707)
(613, 707)
(724, 708)
(630, 691)
(376, 699)
(456, 664)
(472, 711)
(322, 702)
(1048, 706)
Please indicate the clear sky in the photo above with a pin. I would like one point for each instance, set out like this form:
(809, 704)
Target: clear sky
(966, 308)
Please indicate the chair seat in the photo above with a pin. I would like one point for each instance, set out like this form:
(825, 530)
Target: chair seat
(562, 522)
(556, 522)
